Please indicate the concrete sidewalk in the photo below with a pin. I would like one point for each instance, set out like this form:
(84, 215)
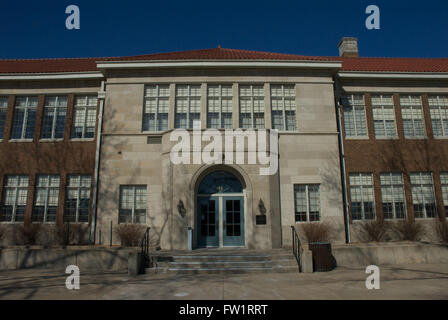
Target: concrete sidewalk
(424, 281)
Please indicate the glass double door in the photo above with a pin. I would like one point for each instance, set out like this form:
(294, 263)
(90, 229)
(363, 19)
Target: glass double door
(220, 221)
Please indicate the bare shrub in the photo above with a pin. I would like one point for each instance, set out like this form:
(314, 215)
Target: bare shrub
(409, 230)
(78, 234)
(373, 231)
(46, 236)
(442, 230)
(3, 232)
(317, 231)
(130, 234)
(26, 234)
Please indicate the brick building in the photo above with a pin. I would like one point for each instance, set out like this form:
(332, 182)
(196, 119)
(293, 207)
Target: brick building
(57, 166)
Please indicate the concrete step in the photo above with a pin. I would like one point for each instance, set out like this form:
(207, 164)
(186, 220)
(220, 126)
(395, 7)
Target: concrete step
(225, 262)
(212, 258)
(220, 264)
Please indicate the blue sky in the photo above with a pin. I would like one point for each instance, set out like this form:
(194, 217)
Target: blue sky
(36, 29)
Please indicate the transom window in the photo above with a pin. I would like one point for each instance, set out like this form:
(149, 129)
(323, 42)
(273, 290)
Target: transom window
(383, 116)
(444, 182)
(157, 105)
(84, 120)
(24, 118)
(46, 200)
(3, 110)
(412, 114)
(392, 193)
(438, 107)
(55, 110)
(361, 196)
(423, 195)
(220, 105)
(188, 106)
(307, 202)
(283, 103)
(15, 194)
(77, 198)
(252, 106)
(354, 112)
(132, 204)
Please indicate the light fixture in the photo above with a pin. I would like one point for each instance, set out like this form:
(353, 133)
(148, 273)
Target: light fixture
(261, 207)
(181, 209)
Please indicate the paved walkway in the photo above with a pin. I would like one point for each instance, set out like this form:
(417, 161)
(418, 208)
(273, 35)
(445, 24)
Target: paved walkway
(397, 282)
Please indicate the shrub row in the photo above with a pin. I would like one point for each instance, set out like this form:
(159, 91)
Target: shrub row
(377, 231)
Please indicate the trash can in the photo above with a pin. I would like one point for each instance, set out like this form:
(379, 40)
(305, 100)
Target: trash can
(323, 260)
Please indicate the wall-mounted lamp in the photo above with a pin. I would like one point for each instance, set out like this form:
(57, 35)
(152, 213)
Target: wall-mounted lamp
(261, 207)
(181, 209)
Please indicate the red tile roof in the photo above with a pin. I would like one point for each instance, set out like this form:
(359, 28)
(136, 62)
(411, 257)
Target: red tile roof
(349, 64)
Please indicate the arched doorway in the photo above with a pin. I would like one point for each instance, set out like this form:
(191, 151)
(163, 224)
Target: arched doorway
(220, 211)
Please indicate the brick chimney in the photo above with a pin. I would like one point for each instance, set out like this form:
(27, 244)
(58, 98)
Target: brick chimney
(348, 47)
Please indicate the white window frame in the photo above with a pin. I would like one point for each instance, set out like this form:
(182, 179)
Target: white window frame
(157, 98)
(86, 107)
(26, 110)
(283, 105)
(252, 97)
(57, 110)
(78, 188)
(16, 189)
(307, 198)
(362, 186)
(47, 189)
(189, 98)
(404, 105)
(435, 109)
(420, 174)
(393, 187)
(386, 102)
(3, 112)
(220, 98)
(134, 202)
(348, 101)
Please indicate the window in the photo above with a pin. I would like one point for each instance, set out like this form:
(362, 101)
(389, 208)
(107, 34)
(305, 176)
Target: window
(444, 182)
(219, 104)
(392, 193)
(132, 204)
(53, 123)
(438, 107)
(252, 106)
(423, 195)
(24, 118)
(412, 114)
(46, 201)
(3, 110)
(15, 193)
(157, 105)
(307, 202)
(283, 103)
(383, 116)
(188, 106)
(84, 119)
(77, 199)
(361, 196)
(354, 115)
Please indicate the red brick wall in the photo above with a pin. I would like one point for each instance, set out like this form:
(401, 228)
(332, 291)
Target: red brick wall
(41, 157)
(399, 155)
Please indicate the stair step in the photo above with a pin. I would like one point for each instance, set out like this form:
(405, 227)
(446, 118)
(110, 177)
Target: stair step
(225, 262)
(220, 264)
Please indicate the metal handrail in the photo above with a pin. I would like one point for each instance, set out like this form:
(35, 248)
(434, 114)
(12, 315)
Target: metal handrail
(297, 247)
(145, 244)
